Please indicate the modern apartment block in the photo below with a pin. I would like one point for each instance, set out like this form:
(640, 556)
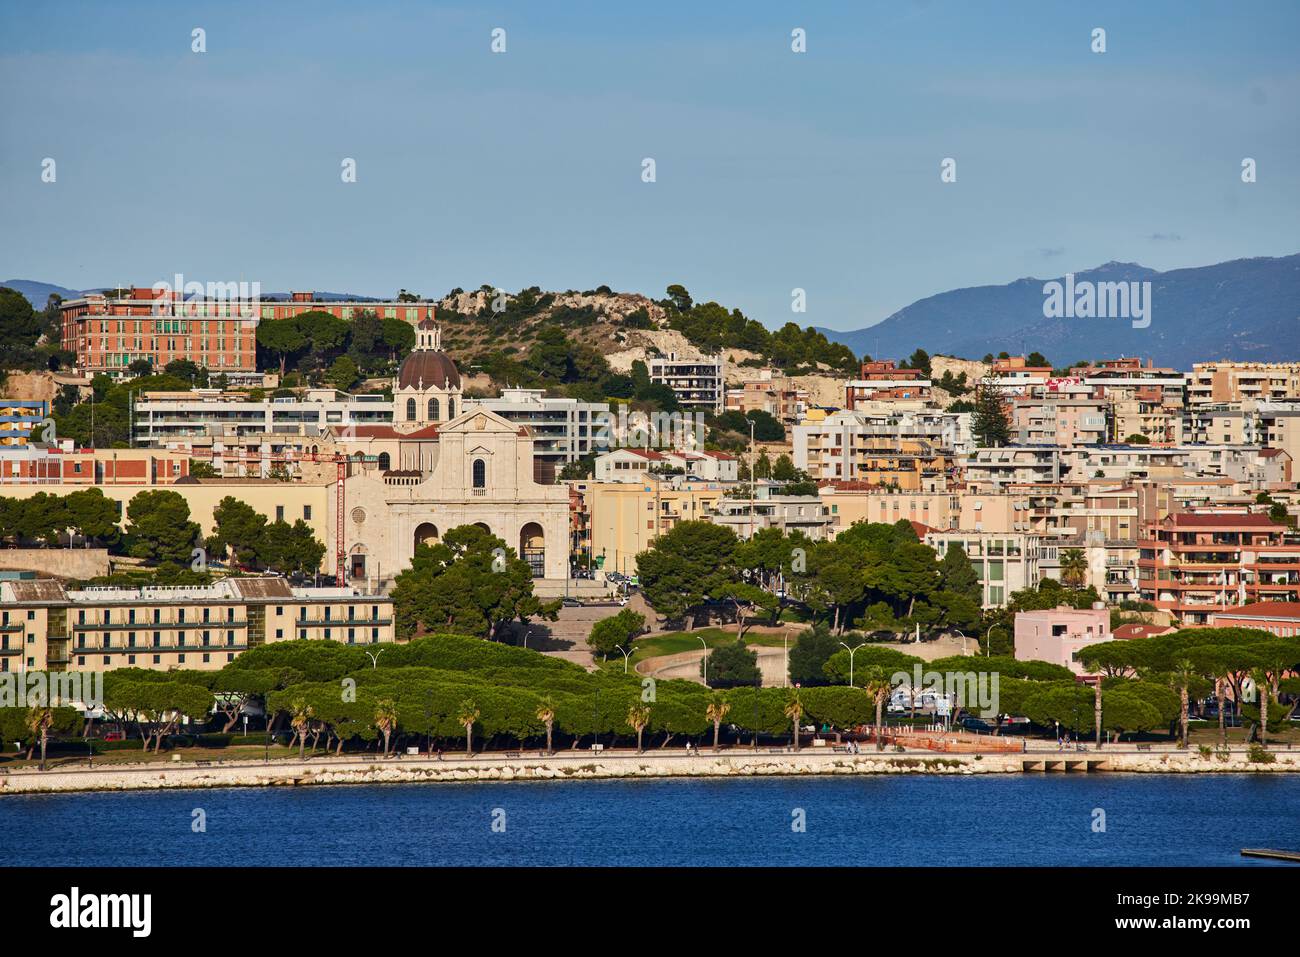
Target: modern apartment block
(770, 392)
(765, 509)
(1212, 383)
(46, 627)
(20, 420)
(699, 383)
(564, 429)
(1058, 420)
(1144, 399)
(882, 380)
(634, 465)
(991, 469)
(909, 449)
(161, 418)
(1004, 563)
(1194, 564)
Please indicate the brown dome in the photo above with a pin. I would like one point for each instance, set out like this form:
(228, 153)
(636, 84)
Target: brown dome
(427, 369)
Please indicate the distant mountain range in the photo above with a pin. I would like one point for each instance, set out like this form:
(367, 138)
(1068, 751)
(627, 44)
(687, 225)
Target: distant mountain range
(1244, 309)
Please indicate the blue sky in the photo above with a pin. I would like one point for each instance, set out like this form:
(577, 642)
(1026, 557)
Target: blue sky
(775, 170)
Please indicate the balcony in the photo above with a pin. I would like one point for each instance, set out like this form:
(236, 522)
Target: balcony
(339, 622)
(156, 625)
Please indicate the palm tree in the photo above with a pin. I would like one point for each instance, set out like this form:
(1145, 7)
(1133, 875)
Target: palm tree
(300, 721)
(467, 715)
(638, 716)
(1181, 675)
(1074, 567)
(386, 719)
(794, 711)
(546, 715)
(715, 712)
(39, 722)
(877, 684)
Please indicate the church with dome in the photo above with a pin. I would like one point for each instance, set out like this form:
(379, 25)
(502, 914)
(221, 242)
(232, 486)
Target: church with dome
(438, 466)
(427, 390)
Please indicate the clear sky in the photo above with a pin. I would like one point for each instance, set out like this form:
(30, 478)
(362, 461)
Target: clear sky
(775, 170)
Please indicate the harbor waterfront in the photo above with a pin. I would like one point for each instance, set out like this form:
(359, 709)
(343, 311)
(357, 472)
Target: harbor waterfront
(1006, 820)
(579, 766)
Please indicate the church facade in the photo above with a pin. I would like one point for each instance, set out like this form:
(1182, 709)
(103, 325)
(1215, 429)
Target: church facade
(438, 467)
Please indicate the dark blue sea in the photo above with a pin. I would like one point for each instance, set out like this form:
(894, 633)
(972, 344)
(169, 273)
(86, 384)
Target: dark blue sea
(996, 820)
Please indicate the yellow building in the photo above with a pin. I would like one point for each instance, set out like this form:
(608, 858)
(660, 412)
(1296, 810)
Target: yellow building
(44, 627)
(626, 517)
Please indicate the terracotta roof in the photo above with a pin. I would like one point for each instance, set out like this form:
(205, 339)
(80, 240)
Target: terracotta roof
(920, 529)
(388, 432)
(1262, 609)
(1139, 630)
(1223, 520)
(427, 369)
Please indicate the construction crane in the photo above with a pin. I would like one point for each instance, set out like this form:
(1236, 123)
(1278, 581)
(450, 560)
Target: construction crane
(340, 495)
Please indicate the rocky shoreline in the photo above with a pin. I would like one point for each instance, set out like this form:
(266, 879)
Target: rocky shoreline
(578, 767)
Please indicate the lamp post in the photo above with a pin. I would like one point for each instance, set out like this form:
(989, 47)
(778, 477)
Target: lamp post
(852, 651)
(374, 659)
(626, 655)
(757, 682)
(706, 660)
(963, 640)
(595, 718)
(988, 639)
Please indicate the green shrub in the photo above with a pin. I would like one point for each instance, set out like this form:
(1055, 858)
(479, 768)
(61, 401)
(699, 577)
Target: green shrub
(1258, 755)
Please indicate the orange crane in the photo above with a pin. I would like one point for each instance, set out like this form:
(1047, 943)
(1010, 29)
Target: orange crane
(340, 563)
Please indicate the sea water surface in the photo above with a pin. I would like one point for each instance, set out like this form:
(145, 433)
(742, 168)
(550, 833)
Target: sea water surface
(906, 820)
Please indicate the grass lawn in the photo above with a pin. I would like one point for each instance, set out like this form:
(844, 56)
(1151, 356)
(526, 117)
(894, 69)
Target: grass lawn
(657, 646)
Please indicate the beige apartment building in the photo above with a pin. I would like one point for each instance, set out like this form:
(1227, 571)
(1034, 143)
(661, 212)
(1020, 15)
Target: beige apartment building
(1211, 383)
(846, 503)
(44, 627)
(1058, 420)
(625, 518)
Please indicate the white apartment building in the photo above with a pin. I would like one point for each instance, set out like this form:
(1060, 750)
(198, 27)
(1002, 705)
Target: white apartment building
(564, 429)
(789, 513)
(1004, 563)
(826, 448)
(699, 383)
(160, 418)
(633, 465)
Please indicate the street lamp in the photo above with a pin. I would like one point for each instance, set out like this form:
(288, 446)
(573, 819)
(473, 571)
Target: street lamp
(852, 651)
(988, 638)
(374, 659)
(963, 640)
(626, 655)
(706, 660)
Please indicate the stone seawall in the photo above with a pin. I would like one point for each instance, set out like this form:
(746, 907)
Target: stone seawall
(577, 767)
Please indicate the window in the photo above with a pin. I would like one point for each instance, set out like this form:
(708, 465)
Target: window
(451, 408)
(434, 410)
(480, 473)
(410, 410)
(306, 513)
(279, 513)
